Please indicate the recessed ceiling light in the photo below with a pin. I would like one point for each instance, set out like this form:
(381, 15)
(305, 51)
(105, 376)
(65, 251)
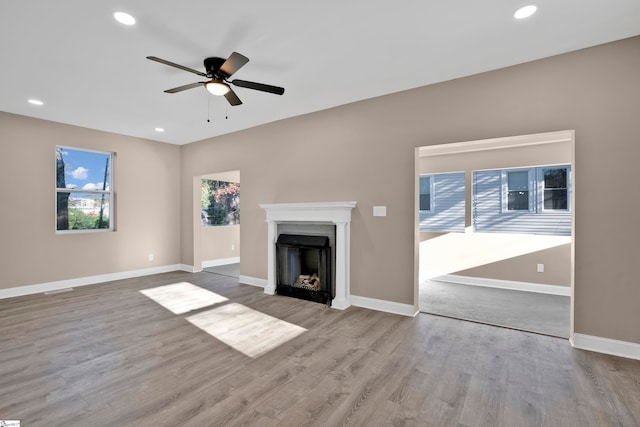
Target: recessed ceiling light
(159, 130)
(525, 11)
(124, 18)
(36, 102)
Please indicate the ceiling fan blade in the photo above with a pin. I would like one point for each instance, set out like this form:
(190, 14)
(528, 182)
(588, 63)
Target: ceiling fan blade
(233, 63)
(185, 87)
(258, 86)
(173, 64)
(232, 98)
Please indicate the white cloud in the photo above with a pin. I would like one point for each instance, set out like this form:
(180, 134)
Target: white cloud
(71, 186)
(89, 186)
(80, 173)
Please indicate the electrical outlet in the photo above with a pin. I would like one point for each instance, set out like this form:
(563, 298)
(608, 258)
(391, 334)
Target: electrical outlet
(379, 211)
(540, 268)
(150, 257)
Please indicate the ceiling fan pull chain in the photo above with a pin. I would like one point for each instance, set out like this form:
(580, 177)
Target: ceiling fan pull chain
(208, 109)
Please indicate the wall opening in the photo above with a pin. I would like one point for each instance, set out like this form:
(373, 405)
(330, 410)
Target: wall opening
(460, 269)
(218, 224)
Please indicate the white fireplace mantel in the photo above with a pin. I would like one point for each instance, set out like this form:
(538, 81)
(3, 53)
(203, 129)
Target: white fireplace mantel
(338, 213)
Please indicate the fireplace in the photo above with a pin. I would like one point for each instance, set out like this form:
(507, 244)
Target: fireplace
(303, 267)
(318, 215)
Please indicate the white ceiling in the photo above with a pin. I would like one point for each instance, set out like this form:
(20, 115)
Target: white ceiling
(91, 71)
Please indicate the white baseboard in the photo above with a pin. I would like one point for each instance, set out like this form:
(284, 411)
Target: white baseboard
(188, 268)
(364, 302)
(253, 281)
(221, 261)
(84, 281)
(384, 305)
(505, 284)
(607, 346)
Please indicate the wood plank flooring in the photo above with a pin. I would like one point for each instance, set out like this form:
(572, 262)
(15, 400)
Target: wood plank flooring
(109, 355)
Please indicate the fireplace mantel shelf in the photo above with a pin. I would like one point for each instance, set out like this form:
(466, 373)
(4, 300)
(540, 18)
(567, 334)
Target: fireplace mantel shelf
(338, 213)
(314, 211)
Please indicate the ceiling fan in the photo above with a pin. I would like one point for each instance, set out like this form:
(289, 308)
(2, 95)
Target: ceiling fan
(218, 71)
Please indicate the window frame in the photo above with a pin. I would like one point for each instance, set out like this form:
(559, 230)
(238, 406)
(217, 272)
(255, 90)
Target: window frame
(504, 176)
(540, 181)
(536, 189)
(431, 188)
(110, 192)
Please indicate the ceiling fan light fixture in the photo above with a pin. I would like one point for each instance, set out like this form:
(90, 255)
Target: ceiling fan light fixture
(217, 87)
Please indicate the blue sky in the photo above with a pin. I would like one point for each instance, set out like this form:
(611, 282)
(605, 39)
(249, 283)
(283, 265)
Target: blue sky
(84, 169)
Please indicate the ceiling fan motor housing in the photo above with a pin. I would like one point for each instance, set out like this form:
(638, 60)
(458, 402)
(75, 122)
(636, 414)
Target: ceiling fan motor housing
(212, 66)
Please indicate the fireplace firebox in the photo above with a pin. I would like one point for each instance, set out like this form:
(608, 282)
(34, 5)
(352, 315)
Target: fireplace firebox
(303, 267)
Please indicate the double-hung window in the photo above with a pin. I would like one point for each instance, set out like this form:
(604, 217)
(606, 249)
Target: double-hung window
(518, 190)
(554, 188)
(535, 200)
(84, 190)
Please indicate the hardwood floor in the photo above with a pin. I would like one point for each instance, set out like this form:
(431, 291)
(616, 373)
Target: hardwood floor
(110, 355)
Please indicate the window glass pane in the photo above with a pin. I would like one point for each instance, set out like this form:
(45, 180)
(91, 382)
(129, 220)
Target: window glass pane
(79, 169)
(518, 190)
(82, 211)
(555, 188)
(555, 199)
(425, 202)
(555, 178)
(518, 180)
(425, 193)
(425, 185)
(518, 200)
(220, 203)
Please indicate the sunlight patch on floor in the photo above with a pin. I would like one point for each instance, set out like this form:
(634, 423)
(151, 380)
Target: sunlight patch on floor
(454, 252)
(248, 331)
(183, 297)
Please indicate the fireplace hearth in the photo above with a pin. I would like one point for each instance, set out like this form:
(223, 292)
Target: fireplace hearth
(303, 267)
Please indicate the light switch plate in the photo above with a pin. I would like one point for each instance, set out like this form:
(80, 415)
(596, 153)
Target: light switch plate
(379, 211)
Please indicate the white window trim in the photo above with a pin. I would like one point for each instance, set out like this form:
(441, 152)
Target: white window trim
(540, 189)
(536, 189)
(504, 192)
(110, 192)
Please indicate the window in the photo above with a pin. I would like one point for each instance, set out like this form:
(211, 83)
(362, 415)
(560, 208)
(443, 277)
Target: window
(84, 197)
(518, 190)
(536, 189)
(220, 203)
(444, 196)
(555, 188)
(425, 193)
(534, 200)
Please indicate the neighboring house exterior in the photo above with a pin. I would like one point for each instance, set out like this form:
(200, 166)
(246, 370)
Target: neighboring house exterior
(533, 200)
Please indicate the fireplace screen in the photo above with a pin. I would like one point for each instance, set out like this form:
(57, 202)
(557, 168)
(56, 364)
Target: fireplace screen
(304, 267)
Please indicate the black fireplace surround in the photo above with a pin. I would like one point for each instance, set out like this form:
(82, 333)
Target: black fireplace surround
(303, 267)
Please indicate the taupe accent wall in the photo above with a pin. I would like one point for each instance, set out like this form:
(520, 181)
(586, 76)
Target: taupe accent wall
(365, 152)
(147, 211)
